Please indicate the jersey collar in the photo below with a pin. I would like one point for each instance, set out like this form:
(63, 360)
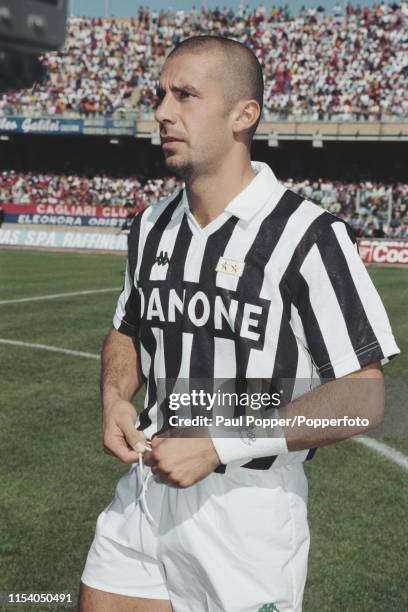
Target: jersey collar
(263, 187)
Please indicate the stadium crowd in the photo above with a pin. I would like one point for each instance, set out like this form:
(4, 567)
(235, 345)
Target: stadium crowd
(349, 64)
(100, 190)
(364, 205)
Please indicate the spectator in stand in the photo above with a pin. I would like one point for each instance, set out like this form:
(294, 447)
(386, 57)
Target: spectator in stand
(356, 223)
(370, 230)
(348, 65)
(379, 232)
(395, 225)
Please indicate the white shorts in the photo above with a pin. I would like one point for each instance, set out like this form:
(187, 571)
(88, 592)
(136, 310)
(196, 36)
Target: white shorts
(234, 542)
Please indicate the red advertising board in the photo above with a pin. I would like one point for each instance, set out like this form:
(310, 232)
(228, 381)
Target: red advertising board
(384, 251)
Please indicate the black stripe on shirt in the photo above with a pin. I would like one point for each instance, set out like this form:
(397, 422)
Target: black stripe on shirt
(311, 326)
(131, 318)
(260, 252)
(133, 243)
(202, 351)
(153, 239)
(358, 326)
(251, 282)
(150, 344)
(173, 334)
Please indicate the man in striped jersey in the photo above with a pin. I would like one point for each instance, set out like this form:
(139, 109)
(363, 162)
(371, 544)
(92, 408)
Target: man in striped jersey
(234, 278)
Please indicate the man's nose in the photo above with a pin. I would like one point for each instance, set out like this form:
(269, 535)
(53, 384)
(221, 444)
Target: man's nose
(165, 111)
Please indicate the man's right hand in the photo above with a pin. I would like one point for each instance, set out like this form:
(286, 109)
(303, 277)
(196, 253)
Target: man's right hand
(119, 432)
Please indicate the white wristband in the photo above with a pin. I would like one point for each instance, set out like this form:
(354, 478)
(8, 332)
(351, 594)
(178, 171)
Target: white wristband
(232, 449)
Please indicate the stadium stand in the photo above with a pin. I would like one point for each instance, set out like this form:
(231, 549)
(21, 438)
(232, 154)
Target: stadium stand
(341, 67)
(365, 205)
(100, 189)
(348, 65)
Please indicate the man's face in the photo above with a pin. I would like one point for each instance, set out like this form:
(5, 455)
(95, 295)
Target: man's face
(193, 111)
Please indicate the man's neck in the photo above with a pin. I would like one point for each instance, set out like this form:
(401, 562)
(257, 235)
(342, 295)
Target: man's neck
(209, 194)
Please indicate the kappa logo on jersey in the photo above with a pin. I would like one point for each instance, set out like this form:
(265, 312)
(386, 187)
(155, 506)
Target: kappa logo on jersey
(229, 266)
(162, 259)
(268, 608)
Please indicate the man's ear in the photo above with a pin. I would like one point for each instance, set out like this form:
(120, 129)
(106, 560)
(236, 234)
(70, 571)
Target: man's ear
(246, 115)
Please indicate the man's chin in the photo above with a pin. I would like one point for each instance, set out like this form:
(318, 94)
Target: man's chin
(178, 166)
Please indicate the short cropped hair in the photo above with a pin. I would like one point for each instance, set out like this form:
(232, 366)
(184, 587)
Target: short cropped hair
(241, 71)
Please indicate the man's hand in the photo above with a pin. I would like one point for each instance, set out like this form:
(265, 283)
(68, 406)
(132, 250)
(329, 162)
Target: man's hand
(119, 432)
(181, 462)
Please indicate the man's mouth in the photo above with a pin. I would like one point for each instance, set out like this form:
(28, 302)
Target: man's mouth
(168, 139)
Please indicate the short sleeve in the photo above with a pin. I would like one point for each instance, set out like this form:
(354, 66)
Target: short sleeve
(344, 319)
(128, 308)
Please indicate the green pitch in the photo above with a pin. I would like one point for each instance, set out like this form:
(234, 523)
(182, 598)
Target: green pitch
(56, 479)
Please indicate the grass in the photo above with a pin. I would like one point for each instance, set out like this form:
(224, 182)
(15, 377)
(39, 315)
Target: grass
(55, 479)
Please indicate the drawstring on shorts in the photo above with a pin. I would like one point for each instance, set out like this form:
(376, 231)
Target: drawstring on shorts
(145, 476)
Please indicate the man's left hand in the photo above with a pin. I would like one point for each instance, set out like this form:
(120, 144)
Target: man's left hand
(181, 461)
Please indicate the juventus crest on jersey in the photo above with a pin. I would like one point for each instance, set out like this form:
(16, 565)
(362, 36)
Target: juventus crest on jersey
(272, 289)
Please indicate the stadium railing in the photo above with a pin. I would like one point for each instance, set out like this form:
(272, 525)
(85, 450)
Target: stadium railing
(266, 117)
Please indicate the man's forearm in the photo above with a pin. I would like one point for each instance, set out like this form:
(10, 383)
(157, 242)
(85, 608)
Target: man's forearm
(121, 376)
(360, 399)
(357, 395)
(120, 379)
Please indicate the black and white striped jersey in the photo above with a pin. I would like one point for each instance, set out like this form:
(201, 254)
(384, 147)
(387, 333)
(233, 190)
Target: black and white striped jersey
(273, 288)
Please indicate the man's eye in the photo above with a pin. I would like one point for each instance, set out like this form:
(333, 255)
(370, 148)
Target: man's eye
(185, 94)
